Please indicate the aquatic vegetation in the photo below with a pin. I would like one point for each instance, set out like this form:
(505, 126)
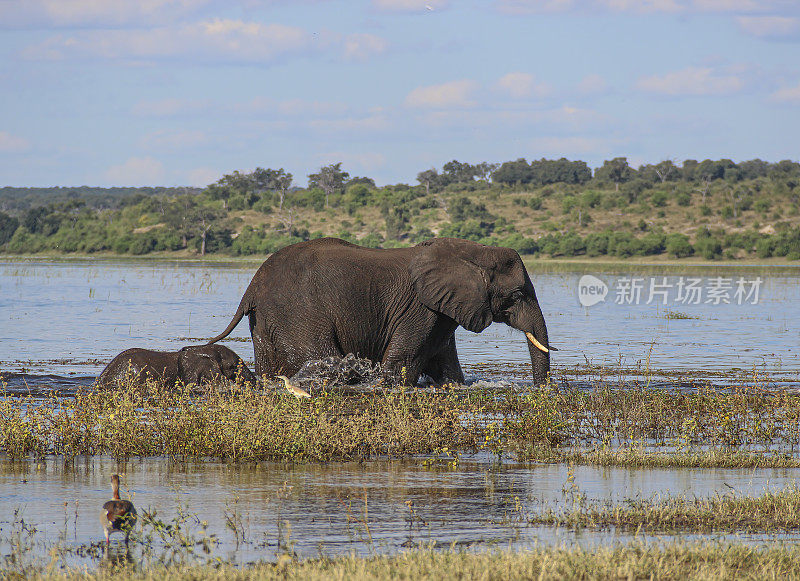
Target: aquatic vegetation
(771, 512)
(744, 426)
(637, 560)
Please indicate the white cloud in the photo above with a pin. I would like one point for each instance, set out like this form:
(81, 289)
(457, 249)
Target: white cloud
(692, 81)
(201, 176)
(100, 13)
(137, 171)
(770, 26)
(170, 107)
(558, 146)
(730, 5)
(787, 95)
(209, 41)
(521, 85)
(593, 84)
(364, 162)
(362, 46)
(642, 5)
(12, 144)
(445, 95)
(409, 5)
(645, 6)
(164, 140)
(536, 6)
(368, 124)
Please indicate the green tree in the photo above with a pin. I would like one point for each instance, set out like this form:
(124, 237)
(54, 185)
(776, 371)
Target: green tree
(484, 170)
(8, 225)
(616, 171)
(514, 172)
(458, 172)
(429, 178)
(330, 179)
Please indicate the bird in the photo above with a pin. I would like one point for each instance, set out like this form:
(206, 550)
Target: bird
(117, 516)
(298, 392)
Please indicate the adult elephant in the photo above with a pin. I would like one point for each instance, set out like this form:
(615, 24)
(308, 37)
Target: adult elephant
(192, 364)
(399, 306)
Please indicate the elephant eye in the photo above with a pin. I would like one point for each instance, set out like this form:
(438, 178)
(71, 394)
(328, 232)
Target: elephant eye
(517, 295)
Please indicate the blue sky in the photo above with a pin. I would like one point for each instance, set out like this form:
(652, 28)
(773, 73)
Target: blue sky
(178, 92)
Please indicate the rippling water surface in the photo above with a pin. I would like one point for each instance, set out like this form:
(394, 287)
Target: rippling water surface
(62, 321)
(71, 318)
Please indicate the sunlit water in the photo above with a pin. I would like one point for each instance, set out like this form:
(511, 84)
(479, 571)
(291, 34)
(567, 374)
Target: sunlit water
(61, 322)
(338, 508)
(71, 318)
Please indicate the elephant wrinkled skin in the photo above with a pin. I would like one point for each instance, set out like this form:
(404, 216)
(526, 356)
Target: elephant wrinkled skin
(192, 364)
(399, 306)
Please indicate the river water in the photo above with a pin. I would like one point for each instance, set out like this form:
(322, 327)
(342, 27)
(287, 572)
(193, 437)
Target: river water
(62, 321)
(70, 318)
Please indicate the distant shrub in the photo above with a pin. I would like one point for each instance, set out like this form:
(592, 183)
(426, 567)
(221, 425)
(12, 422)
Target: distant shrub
(520, 243)
(763, 205)
(597, 244)
(659, 199)
(683, 199)
(709, 248)
(678, 245)
(571, 245)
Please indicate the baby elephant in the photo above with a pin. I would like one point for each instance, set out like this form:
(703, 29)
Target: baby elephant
(190, 365)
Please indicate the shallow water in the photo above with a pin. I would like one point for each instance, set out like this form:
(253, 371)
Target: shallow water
(316, 509)
(61, 322)
(70, 318)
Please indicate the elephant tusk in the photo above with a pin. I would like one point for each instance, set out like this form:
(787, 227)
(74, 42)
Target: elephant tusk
(536, 343)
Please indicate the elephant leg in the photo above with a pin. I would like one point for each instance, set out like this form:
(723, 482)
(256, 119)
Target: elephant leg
(445, 366)
(412, 349)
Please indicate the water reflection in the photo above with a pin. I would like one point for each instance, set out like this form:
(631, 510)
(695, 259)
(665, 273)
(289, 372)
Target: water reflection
(261, 510)
(70, 318)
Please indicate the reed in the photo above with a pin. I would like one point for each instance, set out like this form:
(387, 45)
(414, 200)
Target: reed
(744, 426)
(770, 512)
(695, 561)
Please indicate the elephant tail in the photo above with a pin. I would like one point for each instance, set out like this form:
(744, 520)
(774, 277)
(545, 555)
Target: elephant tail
(244, 308)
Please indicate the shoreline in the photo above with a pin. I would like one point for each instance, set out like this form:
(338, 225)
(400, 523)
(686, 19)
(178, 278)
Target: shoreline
(530, 260)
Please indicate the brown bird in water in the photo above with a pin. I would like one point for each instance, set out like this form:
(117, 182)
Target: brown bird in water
(298, 392)
(117, 516)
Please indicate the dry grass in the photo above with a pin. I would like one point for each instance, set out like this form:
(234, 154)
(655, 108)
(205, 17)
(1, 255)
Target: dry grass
(637, 426)
(772, 512)
(701, 561)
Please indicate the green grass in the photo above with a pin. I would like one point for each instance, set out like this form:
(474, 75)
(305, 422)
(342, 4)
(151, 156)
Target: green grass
(745, 426)
(772, 512)
(696, 561)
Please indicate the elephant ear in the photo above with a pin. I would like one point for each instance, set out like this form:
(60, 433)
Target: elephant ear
(448, 282)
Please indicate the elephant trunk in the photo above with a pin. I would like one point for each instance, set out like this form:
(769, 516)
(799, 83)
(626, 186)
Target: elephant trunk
(538, 345)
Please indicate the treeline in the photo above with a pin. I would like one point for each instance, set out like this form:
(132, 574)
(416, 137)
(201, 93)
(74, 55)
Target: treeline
(15, 201)
(550, 207)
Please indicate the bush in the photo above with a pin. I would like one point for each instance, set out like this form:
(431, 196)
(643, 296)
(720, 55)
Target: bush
(765, 247)
(659, 199)
(678, 245)
(8, 225)
(519, 243)
(683, 199)
(762, 205)
(597, 244)
(709, 248)
(571, 245)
